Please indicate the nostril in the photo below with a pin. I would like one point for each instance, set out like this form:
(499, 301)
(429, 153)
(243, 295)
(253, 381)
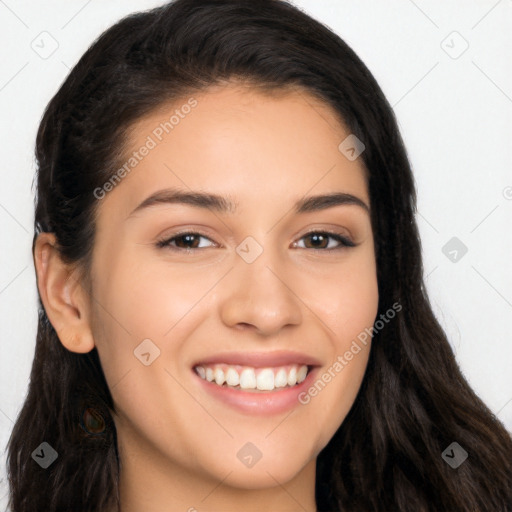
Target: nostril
(243, 326)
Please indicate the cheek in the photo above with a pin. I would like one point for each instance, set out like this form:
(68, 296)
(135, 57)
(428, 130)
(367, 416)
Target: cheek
(145, 301)
(346, 297)
(348, 306)
(135, 303)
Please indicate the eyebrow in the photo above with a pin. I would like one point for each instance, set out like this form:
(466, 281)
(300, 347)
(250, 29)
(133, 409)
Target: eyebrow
(221, 204)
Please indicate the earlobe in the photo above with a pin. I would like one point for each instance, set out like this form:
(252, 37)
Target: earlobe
(64, 298)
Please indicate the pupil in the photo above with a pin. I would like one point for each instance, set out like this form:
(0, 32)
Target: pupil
(189, 239)
(317, 239)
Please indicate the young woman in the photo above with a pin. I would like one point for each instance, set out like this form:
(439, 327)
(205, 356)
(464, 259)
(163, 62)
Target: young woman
(232, 308)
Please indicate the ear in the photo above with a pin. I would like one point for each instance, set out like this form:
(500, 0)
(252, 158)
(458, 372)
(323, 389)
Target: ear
(65, 300)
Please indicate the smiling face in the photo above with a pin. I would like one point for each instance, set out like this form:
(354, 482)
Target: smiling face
(232, 271)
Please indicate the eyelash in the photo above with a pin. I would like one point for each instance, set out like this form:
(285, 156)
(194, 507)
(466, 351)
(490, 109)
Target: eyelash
(342, 240)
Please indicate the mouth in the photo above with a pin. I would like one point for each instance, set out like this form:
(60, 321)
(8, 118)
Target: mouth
(252, 379)
(256, 383)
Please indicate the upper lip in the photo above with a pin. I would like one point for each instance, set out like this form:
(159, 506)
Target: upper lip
(260, 359)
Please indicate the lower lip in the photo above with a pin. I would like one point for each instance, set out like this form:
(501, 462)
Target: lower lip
(262, 403)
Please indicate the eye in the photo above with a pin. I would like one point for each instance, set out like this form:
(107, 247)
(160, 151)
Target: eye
(314, 240)
(324, 240)
(184, 241)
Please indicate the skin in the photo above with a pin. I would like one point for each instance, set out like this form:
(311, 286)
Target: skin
(178, 445)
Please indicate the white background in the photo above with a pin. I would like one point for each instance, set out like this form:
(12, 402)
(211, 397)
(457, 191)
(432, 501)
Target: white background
(454, 114)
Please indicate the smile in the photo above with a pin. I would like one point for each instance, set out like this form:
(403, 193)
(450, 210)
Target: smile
(261, 383)
(255, 379)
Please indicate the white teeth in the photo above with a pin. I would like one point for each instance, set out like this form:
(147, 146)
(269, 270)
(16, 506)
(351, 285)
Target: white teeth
(248, 379)
(232, 377)
(265, 380)
(262, 379)
(301, 374)
(292, 377)
(219, 376)
(280, 379)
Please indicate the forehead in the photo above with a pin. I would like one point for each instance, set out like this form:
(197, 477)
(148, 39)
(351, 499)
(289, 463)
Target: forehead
(241, 141)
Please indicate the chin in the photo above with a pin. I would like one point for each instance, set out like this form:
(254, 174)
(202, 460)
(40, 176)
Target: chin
(263, 477)
(272, 469)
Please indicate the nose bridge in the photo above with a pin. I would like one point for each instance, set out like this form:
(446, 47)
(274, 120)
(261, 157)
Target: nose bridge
(259, 293)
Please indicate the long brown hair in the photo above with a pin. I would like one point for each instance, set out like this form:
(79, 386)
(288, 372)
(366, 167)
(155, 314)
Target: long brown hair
(413, 403)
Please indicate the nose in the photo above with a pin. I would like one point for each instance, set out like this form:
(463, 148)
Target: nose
(259, 296)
